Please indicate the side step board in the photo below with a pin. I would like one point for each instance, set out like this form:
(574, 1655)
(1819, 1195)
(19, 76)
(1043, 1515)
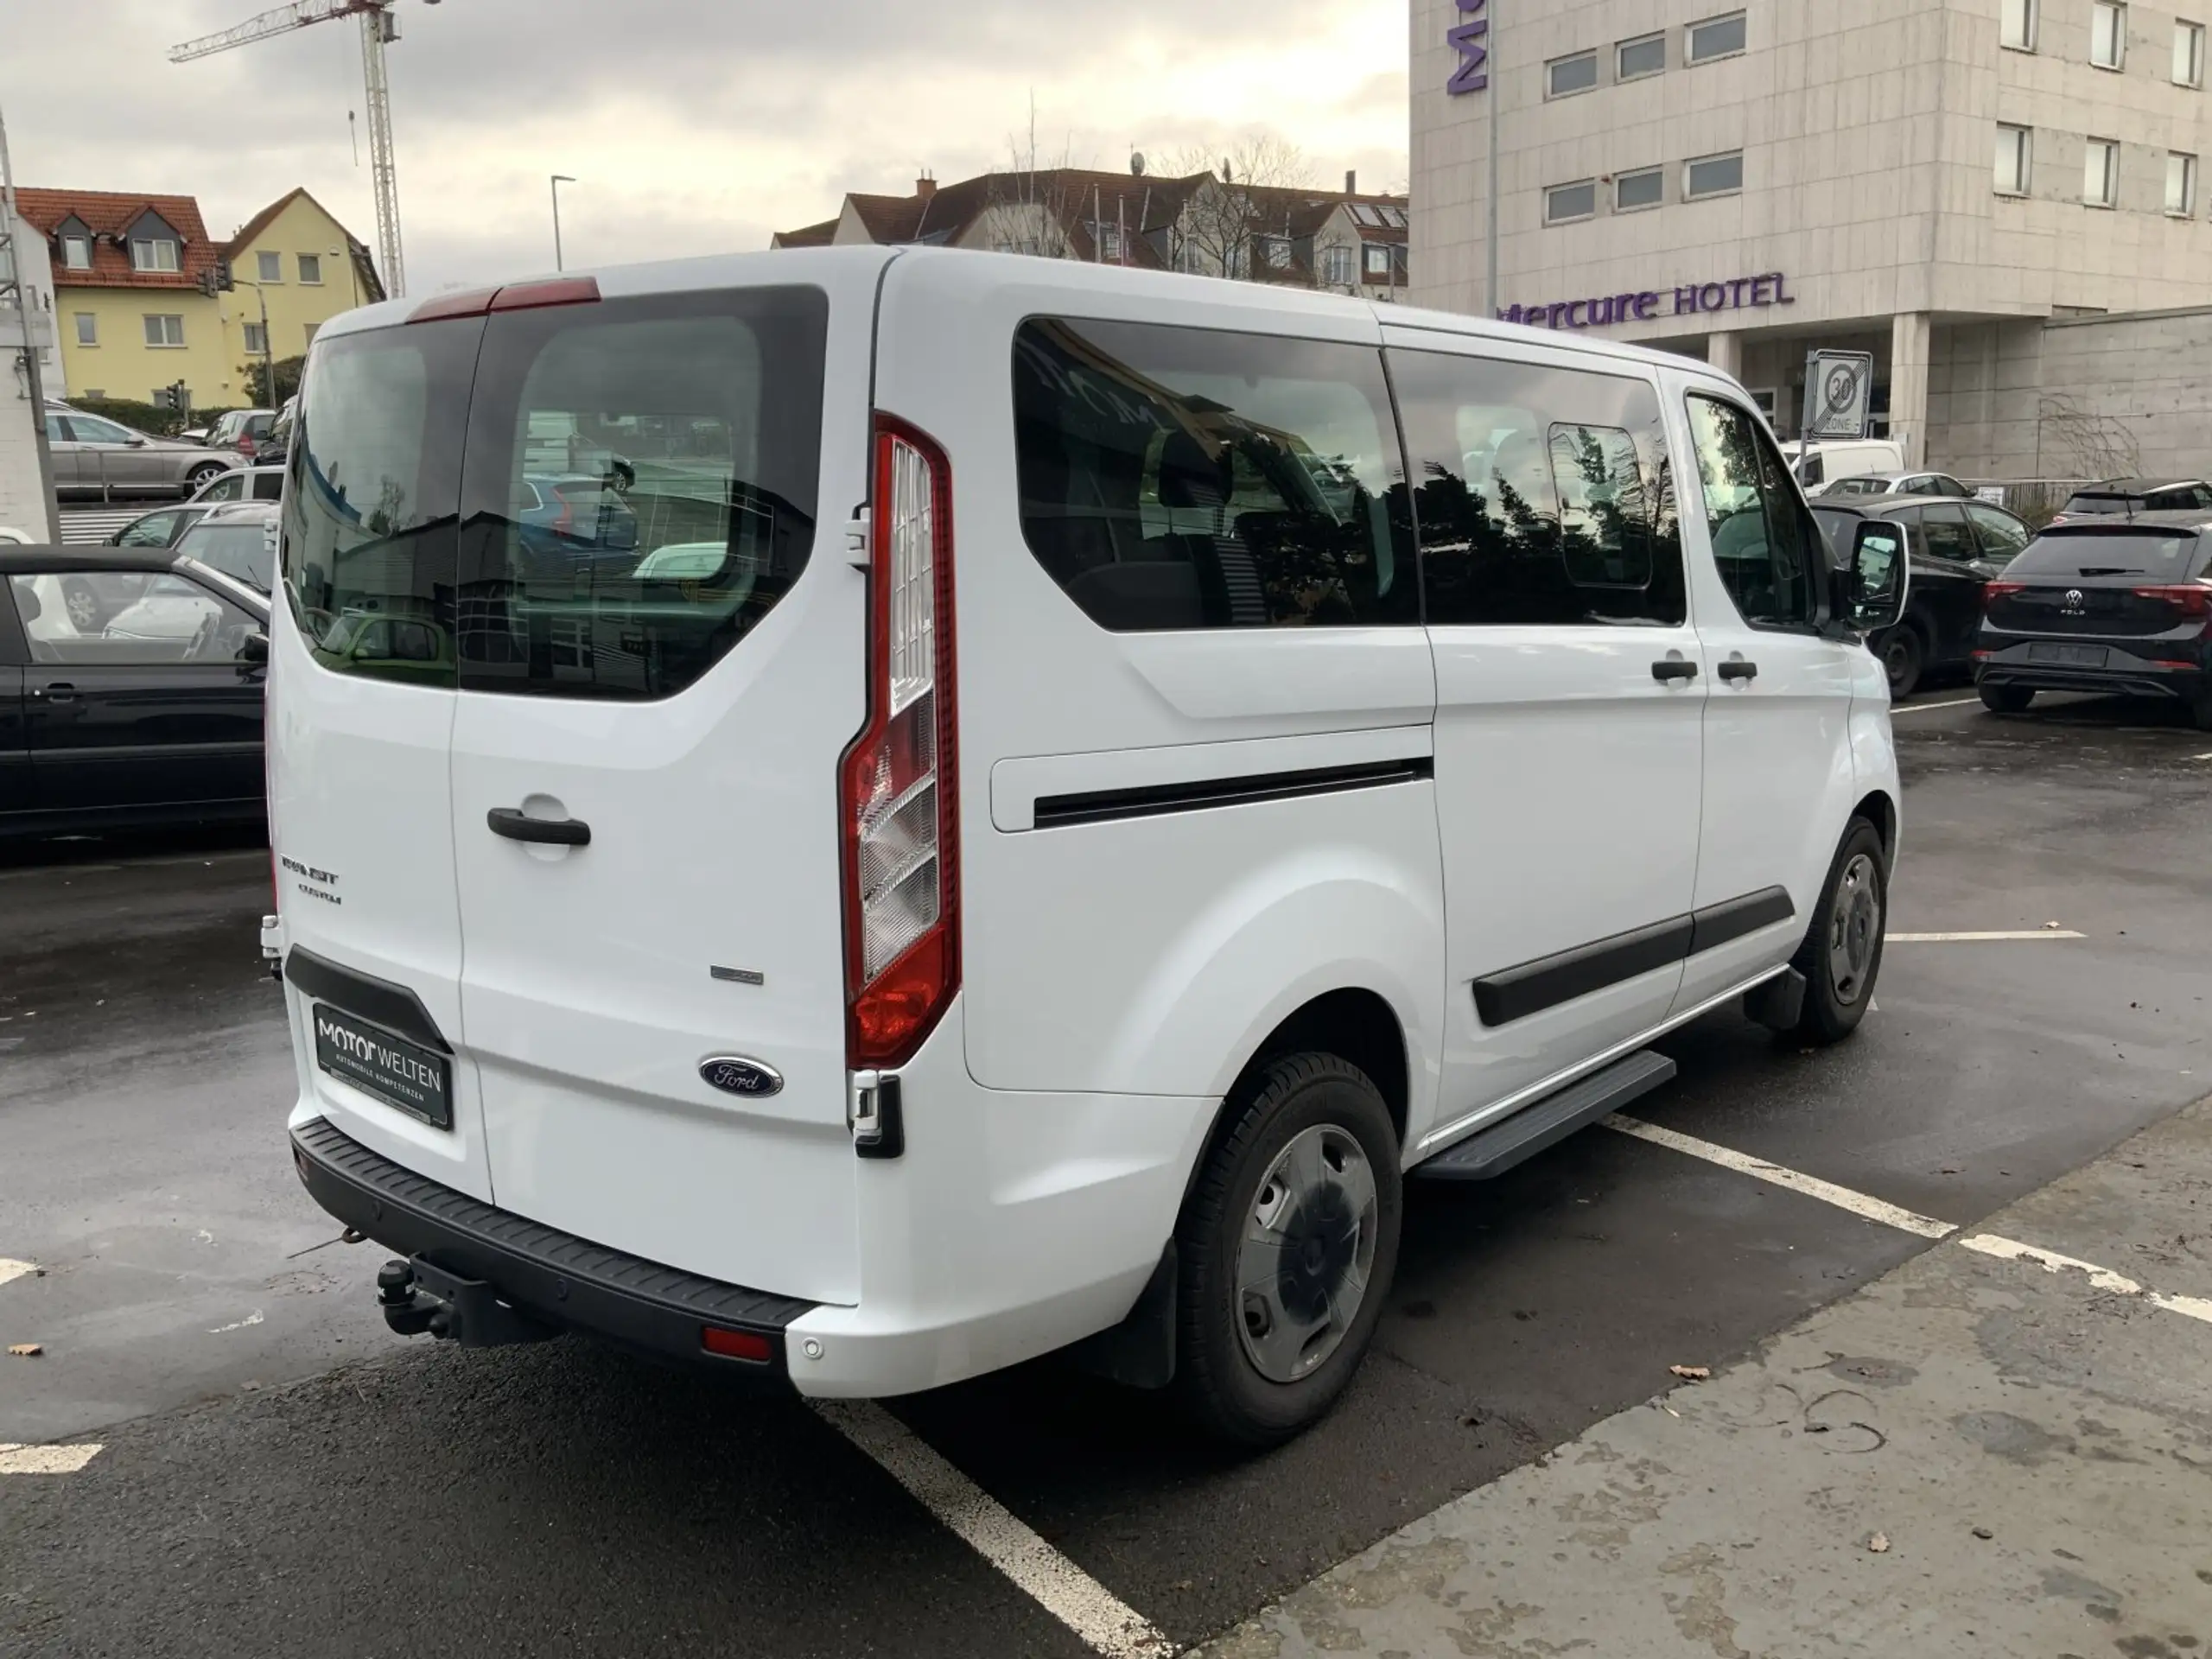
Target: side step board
(1491, 1151)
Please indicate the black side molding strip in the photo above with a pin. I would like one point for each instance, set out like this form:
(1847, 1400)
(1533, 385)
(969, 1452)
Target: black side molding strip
(1105, 805)
(1516, 992)
(1733, 917)
(395, 1008)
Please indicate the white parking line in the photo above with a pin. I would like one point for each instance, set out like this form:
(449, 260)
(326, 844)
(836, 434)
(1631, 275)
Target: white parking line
(1055, 1583)
(45, 1459)
(1982, 938)
(1811, 1186)
(1991, 1244)
(11, 1268)
(1924, 707)
(2189, 1308)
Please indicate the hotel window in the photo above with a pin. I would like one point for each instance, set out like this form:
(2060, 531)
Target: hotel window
(2017, 27)
(2108, 34)
(1337, 265)
(1632, 60)
(76, 253)
(310, 267)
(256, 339)
(2100, 173)
(154, 254)
(2015, 159)
(269, 267)
(164, 331)
(1716, 37)
(2181, 184)
(88, 329)
(1645, 187)
(1576, 74)
(1714, 175)
(2189, 54)
(1563, 202)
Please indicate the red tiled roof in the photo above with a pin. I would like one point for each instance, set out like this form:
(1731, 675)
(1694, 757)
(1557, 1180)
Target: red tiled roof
(108, 214)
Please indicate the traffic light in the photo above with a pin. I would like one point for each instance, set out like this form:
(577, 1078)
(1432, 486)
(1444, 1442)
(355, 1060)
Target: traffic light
(177, 395)
(216, 279)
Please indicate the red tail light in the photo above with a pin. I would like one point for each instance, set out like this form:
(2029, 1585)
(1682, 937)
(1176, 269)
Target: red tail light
(1992, 591)
(566, 523)
(2188, 598)
(900, 788)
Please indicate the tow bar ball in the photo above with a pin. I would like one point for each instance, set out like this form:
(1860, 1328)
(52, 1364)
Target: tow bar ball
(418, 1296)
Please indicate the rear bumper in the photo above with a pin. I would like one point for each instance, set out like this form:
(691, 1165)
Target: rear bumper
(2123, 673)
(564, 1280)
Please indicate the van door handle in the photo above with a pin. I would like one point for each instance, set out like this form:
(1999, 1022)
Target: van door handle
(509, 821)
(1673, 668)
(1739, 669)
(57, 691)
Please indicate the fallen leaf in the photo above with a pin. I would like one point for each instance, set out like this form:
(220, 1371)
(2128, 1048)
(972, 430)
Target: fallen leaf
(26, 1349)
(1691, 1373)
(2050, 924)
(1983, 1533)
(1879, 1543)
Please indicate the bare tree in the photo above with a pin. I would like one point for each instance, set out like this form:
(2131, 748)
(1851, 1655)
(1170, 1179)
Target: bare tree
(1027, 204)
(1213, 233)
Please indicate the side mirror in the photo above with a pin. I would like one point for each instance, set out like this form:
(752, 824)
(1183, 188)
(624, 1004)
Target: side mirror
(254, 649)
(134, 441)
(1877, 577)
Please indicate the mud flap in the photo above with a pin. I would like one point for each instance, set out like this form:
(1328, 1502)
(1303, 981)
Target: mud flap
(1139, 1351)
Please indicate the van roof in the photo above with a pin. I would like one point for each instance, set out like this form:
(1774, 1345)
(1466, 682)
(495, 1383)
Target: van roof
(803, 264)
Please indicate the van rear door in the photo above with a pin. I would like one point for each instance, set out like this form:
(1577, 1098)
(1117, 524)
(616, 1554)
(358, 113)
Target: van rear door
(657, 678)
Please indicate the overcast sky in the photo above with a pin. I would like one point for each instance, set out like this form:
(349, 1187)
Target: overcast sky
(692, 126)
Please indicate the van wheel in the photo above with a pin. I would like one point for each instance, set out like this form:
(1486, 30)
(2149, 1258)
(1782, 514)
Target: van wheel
(1841, 956)
(1902, 657)
(2007, 699)
(1286, 1247)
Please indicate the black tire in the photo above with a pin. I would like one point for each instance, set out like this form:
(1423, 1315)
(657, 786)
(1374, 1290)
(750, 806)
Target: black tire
(1903, 658)
(2007, 699)
(1836, 1001)
(1218, 1380)
(199, 475)
(2200, 712)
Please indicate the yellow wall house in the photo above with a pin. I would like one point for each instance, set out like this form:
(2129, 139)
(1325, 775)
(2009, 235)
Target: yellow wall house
(305, 265)
(129, 299)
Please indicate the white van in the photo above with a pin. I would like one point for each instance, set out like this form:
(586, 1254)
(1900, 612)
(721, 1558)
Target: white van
(1820, 463)
(1033, 828)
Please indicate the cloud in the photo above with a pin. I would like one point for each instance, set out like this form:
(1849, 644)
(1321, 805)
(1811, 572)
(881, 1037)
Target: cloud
(691, 128)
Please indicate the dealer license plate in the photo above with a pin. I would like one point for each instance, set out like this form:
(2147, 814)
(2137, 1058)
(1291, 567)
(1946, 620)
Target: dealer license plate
(392, 1069)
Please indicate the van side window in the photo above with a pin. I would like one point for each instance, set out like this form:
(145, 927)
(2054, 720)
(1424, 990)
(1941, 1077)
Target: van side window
(1543, 495)
(1184, 477)
(1764, 549)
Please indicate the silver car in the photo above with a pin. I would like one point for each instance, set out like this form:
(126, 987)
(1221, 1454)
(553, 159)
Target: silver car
(98, 458)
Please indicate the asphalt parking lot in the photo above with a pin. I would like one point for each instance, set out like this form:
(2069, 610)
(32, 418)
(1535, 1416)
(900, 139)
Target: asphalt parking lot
(275, 1473)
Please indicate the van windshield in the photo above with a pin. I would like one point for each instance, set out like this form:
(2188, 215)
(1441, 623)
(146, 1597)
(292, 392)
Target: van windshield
(589, 501)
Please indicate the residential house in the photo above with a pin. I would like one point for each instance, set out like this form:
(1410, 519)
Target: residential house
(1197, 225)
(132, 275)
(296, 257)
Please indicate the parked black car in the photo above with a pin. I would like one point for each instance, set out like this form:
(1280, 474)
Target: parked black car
(1954, 548)
(2113, 605)
(149, 711)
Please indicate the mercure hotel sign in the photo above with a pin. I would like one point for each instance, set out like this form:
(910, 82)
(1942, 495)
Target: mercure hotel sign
(1470, 38)
(1649, 305)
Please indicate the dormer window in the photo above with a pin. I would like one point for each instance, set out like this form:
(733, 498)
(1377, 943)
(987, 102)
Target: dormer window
(1278, 248)
(149, 253)
(76, 253)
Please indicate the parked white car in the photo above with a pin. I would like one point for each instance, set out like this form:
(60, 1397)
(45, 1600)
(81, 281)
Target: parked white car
(1028, 845)
(1817, 465)
(243, 484)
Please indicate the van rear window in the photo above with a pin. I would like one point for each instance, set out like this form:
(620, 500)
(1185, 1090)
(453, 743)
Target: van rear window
(1184, 477)
(593, 500)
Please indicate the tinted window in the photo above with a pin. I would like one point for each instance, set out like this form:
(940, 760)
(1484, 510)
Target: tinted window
(136, 620)
(268, 487)
(1811, 469)
(2001, 534)
(90, 429)
(375, 491)
(1761, 543)
(225, 488)
(1180, 478)
(2170, 557)
(240, 552)
(1945, 534)
(1542, 494)
(687, 509)
(153, 531)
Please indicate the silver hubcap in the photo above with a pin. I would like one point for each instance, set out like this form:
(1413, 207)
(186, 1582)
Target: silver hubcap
(1854, 928)
(84, 610)
(1307, 1254)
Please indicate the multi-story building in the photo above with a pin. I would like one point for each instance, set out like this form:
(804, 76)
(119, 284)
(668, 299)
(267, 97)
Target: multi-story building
(1339, 240)
(1943, 183)
(132, 279)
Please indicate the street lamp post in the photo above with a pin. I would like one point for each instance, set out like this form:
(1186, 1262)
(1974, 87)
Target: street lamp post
(559, 179)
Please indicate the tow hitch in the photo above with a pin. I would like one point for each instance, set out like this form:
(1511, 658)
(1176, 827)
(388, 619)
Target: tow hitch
(419, 1295)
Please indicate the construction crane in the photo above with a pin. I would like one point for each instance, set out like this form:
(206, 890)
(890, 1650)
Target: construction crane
(379, 30)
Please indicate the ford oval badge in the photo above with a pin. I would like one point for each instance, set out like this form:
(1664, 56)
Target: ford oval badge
(735, 1075)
